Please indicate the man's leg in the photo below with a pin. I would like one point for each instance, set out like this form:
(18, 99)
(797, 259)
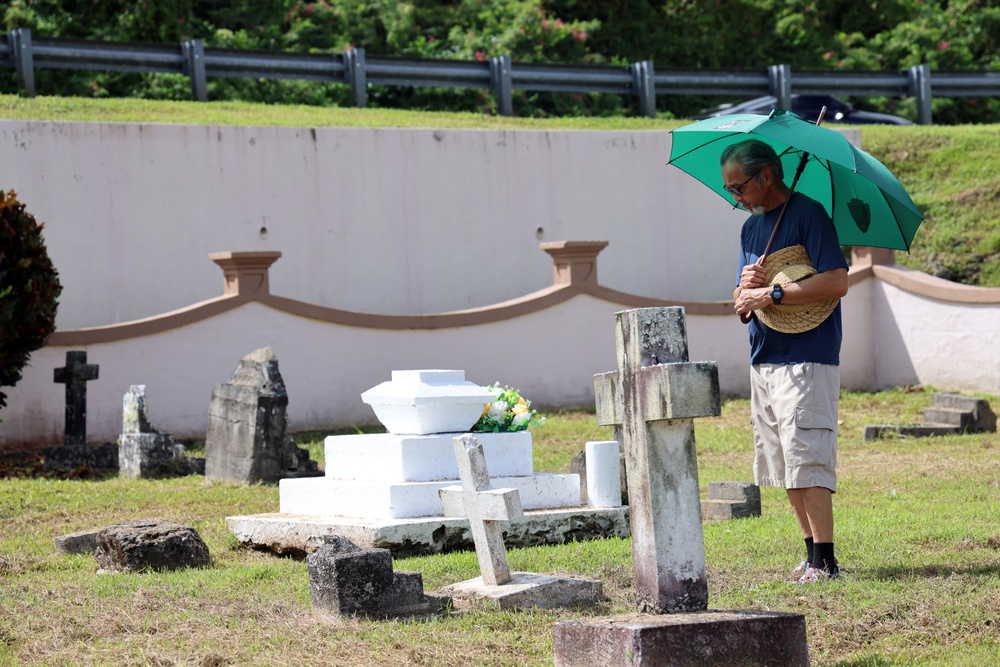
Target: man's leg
(813, 509)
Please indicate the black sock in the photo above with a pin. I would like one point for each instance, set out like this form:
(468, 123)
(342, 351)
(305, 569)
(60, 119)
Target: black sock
(823, 556)
(809, 550)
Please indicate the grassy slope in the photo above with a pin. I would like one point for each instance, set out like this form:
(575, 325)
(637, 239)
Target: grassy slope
(953, 173)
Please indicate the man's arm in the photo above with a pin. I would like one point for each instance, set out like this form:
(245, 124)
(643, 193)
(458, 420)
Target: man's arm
(818, 287)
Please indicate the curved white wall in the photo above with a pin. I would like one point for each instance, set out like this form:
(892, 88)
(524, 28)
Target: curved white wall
(392, 221)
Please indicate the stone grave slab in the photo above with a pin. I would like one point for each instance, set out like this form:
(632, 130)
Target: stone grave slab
(695, 639)
(247, 439)
(150, 544)
(300, 534)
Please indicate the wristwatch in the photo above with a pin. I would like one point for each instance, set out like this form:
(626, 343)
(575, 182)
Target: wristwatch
(776, 295)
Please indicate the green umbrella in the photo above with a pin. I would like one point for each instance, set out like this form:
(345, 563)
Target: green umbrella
(868, 204)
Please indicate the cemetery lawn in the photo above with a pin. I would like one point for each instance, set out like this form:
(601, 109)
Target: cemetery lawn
(918, 538)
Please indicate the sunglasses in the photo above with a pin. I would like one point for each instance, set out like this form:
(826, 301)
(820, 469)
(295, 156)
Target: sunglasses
(738, 190)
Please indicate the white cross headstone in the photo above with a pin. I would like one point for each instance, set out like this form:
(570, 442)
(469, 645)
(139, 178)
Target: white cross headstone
(651, 400)
(483, 507)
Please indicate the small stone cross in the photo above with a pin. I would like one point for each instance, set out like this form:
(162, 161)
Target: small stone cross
(651, 401)
(75, 376)
(483, 507)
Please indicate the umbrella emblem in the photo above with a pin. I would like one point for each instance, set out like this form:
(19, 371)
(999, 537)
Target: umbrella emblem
(861, 212)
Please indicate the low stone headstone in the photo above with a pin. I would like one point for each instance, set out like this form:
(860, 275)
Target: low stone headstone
(247, 437)
(143, 451)
(83, 542)
(75, 376)
(150, 544)
(731, 500)
(347, 580)
(652, 400)
(486, 508)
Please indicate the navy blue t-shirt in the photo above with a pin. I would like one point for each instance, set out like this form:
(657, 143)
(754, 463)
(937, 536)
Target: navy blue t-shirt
(807, 223)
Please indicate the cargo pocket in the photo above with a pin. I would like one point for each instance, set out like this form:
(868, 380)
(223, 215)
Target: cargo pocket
(814, 438)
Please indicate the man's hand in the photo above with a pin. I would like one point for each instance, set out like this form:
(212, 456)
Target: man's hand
(752, 276)
(749, 300)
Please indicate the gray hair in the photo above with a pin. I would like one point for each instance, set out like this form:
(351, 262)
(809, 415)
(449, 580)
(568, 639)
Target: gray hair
(752, 156)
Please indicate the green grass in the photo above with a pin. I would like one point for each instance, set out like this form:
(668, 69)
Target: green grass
(952, 172)
(918, 535)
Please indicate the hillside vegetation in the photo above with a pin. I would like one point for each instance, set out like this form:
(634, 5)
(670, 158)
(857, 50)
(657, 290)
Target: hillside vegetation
(952, 172)
(828, 36)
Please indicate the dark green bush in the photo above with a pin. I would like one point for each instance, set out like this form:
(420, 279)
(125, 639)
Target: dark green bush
(29, 288)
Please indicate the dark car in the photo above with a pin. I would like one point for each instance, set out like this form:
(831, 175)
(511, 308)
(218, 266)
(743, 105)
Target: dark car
(808, 107)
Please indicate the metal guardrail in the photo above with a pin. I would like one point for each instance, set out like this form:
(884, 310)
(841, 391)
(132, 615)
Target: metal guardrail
(352, 68)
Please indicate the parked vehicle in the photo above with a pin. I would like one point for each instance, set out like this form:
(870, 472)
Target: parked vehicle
(808, 107)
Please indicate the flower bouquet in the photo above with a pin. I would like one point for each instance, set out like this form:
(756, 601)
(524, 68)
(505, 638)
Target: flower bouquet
(509, 412)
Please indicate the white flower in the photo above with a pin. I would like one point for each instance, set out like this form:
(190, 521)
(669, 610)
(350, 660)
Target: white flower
(497, 410)
(521, 419)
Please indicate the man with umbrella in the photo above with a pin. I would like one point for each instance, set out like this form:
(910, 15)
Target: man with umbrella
(791, 297)
(795, 372)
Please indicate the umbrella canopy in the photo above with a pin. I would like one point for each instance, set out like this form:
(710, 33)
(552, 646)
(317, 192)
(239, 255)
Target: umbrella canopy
(868, 204)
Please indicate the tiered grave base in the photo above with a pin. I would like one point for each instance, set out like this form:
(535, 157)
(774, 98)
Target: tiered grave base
(381, 490)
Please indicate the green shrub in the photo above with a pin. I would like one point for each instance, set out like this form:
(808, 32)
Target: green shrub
(29, 287)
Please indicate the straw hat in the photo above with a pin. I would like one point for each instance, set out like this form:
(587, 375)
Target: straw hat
(790, 265)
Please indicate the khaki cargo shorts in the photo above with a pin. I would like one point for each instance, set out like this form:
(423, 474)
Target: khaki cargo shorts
(793, 408)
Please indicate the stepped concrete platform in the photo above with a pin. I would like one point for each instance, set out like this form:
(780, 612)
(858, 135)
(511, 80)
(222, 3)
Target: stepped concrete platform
(299, 534)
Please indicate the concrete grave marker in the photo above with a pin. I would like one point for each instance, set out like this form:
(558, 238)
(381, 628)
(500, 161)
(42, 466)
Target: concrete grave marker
(652, 400)
(485, 508)
(75, 376)
(347, 580)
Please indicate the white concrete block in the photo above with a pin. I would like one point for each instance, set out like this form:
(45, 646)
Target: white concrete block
(428, 401)
(604, 484)
(373, 500)
(388, 457)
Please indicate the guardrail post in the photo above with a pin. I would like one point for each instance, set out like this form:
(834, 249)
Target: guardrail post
(920, 88)
(644, 85)
(354, 72)
(193, 51)
(19, 43)
(779, 80)
(502, 84)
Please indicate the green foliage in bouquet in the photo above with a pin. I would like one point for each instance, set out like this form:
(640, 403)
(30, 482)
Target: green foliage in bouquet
(509, 412)
(29, 288)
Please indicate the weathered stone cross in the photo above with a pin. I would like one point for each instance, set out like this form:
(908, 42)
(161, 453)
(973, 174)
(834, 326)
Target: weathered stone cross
(75, 376)
(483, 507)
(651, 400)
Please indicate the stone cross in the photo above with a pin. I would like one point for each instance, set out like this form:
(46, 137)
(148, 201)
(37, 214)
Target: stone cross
(483, 507)
(651, 400)
(75, 376)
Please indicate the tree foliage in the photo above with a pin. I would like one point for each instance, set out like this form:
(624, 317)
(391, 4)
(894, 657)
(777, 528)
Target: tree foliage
(29, 288)
(887, 35)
